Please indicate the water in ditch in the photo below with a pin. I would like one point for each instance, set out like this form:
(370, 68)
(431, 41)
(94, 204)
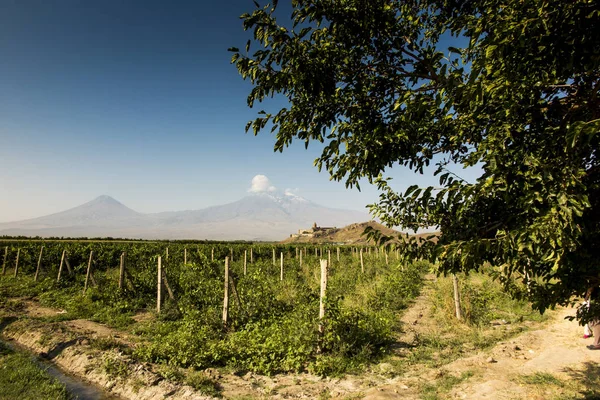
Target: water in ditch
(78, 388)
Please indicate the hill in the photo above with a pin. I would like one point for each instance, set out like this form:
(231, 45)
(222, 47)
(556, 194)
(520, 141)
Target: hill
(350, 234)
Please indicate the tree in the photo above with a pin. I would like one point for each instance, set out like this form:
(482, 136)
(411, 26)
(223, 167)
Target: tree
(377, 84)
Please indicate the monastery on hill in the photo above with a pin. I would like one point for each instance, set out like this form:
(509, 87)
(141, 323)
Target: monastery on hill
(311, 232)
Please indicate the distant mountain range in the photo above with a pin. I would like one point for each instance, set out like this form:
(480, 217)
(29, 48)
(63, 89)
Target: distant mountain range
(261, 216)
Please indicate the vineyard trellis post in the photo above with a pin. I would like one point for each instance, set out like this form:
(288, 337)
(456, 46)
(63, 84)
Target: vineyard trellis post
(39, 263)
(62, 261)
(251, 256)
(456, 297)
(67, 263)
(322, 298)
(159, 286)
(88, 272)
(329, 256)
(17, 262)
(245, 261)
(4, 263)
(212, 254)
(338, 254)
(281, 269)
(273, 256)
(226, 293)
(163, 277)
(122, 271)
(300, 261)
(184, 256)
(362, 264)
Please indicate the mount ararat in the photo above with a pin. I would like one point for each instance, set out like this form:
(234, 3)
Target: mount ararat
(260, 216)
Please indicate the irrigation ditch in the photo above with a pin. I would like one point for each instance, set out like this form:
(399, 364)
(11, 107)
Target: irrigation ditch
(78, 388)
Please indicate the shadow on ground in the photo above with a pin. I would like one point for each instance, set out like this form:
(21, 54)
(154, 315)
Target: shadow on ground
(589, 377)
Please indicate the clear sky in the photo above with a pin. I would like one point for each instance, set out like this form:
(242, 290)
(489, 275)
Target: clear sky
(137, 100)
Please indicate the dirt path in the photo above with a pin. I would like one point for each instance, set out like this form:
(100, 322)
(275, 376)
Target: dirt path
(559, 349)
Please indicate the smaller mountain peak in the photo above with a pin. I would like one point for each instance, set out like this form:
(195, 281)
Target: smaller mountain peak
(293, 196)
(105, 199)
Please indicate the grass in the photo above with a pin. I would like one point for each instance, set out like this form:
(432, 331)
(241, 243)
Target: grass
(202, 383)
(21, 378)
(541, 378)
(448, 339)
(437, 389)
(580, 384)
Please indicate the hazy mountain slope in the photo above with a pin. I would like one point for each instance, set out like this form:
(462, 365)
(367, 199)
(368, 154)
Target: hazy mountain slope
(257, 217)
(103, 210)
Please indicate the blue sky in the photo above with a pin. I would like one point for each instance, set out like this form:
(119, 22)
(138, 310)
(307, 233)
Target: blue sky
(138, 100)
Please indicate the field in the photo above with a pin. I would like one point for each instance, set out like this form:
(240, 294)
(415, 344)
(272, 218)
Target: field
(274, 332)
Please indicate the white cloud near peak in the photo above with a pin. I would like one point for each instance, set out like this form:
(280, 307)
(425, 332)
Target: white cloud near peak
(260, 184)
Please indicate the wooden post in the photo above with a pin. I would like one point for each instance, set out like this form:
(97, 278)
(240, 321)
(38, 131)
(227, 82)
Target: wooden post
(159, 286)
(281, 269)
(17, 262)
(300, 258)
(68, 264)
(37, 270)
(184, 256)
(212, 254)
(251, 256)
(245, 260)
(316, 252)
(87, 274)
(4, 263)
(166, 283)
(329, 256)
(456, 297)
(122, 271)
(362, 264)
(296, 252)
(62, 260)
(338, 254)
(323, 294)
(273, 255)
(231, 253)
(226, 293)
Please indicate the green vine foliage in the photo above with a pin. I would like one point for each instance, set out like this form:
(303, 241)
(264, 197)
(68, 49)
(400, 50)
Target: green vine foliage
(377, 84)
(273, 324)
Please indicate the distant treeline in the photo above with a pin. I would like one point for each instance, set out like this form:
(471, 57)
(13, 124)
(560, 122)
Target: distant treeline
(111, 239)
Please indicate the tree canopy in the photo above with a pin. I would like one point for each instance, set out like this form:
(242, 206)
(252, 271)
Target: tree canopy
(377, 84)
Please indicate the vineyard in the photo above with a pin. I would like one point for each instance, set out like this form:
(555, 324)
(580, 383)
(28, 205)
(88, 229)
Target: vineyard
(249, 307)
